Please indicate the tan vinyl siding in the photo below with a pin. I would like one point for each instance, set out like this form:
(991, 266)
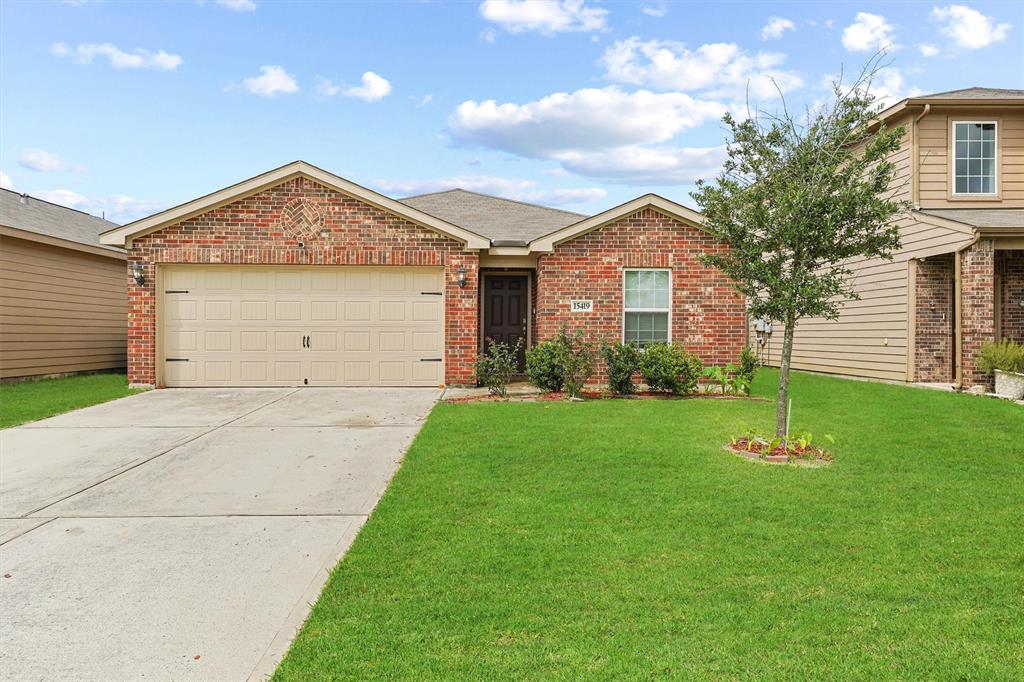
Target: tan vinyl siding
(934, 131)
(870, 338)
(61, 310)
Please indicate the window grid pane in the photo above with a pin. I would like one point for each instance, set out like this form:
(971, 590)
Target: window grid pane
(974, 164)
(649, 291)
(646, 328)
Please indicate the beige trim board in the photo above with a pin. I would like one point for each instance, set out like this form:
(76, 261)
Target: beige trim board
(686, 215)
(123, 235)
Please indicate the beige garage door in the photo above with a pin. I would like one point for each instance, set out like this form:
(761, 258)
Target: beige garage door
(296, 326)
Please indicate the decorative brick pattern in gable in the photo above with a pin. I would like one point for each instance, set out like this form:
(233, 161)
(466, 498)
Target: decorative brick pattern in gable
(708, 314)
(251, 231)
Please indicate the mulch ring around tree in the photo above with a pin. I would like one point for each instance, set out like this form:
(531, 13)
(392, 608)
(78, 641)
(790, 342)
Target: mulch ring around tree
(757, 450)
(559, 396)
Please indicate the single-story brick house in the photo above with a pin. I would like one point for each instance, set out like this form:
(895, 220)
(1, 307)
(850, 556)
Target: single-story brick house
(62, 292)
(300, 277)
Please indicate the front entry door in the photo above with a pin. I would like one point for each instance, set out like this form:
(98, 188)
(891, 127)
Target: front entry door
(506, 306)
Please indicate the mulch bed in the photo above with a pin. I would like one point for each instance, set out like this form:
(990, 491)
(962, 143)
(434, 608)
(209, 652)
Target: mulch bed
(556, 396)
(757, 450)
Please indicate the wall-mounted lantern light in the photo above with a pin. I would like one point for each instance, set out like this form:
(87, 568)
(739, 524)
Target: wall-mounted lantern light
(137, 275)
(461, 274)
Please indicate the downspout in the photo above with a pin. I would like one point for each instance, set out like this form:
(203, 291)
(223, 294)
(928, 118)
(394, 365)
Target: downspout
(958, 308)
(915, 179)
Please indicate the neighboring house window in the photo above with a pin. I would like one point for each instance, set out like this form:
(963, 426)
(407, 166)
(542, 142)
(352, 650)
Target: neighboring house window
(974, 157)
(647, 310)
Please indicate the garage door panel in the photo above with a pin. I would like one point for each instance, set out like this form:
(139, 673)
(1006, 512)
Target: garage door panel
(248, 325)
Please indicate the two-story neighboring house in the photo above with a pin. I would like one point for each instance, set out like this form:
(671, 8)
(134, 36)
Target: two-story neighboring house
(958, 279)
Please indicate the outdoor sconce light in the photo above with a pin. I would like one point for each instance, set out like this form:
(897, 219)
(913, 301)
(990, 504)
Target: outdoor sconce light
(137, 275)
(461, 277)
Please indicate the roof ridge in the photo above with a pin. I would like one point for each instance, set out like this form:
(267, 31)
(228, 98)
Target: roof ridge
(52, 203)
(494, 196)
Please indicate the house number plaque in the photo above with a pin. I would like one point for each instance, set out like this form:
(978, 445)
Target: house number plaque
(581, 306)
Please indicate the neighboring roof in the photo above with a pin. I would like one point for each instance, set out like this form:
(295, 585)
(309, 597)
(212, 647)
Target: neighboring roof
(121, 235)
(666, 206)
(999, 218)
(32, 216)
(966, 96)
(502, 220)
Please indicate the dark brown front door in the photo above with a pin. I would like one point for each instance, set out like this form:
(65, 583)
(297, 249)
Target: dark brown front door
(506, 306)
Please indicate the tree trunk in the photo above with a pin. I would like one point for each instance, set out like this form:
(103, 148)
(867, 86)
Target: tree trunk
(782, 403)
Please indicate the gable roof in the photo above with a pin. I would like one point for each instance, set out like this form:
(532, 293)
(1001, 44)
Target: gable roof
(974, 96)
(975, 93)
(501, 220)
(672, 209)
(1012, 218)
(32, 217)
(122, 235)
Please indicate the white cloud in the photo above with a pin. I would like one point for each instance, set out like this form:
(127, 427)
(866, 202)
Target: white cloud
(721, 69)
(488, 35)
(273, 81)
(557, 172)
(5, 181)
(422, 101)
(373, 89)
(928, 50)
(868, 32)
(590, 118)
(118, 208)
(546, 17)
(635, 165)
(655, 9)
(775, 27)
(969, 28)
(238, 5)
(509, 188)
(42, 160)
(63, 197)
(118, 58)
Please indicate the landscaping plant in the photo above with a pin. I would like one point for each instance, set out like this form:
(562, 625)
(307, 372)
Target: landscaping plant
(748, 367)
(621, 362)
(542, 366)
(1005, 355)
(575, 359)
(496, 365)
(796, 201)
(668, 367)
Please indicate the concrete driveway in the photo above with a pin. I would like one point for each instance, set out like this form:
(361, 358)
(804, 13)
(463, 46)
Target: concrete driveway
(184, 533)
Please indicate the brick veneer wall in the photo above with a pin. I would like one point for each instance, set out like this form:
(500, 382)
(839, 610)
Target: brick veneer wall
(934, 315)
(249, 231)
(978, 293)
(1011, 269)
(708, 314)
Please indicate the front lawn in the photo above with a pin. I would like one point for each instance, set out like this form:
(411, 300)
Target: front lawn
(617, 539)
(31, 400)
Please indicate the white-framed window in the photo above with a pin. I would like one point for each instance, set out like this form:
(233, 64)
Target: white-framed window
(974, 157)
(647, 306)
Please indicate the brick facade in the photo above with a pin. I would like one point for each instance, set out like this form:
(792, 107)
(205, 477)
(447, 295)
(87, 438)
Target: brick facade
(708, 314)
(934, 317)
(978, 293)
(249, 231)
(1010, 266)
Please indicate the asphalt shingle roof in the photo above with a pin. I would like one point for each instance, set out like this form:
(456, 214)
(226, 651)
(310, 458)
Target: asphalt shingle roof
(501, 220)
(30, 214)
(981, 217)
(976, 93)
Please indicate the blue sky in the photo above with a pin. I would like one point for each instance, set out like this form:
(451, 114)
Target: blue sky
(128, 108)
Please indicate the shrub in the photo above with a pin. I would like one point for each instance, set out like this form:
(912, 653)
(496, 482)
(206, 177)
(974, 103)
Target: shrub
(575, 360)
(543, 368)
(668, 367)
(748, 366)
(1005, 355)
(495, 367)
(622, 360)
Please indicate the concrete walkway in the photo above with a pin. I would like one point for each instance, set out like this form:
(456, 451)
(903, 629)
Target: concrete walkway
(183, 534)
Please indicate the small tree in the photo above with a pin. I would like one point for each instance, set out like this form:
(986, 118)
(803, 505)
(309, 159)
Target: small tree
(796, 201)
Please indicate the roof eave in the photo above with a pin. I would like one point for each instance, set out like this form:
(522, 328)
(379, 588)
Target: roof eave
(28, 235)
(123, 235)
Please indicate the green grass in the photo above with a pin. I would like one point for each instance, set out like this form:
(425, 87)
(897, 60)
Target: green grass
(31, 400)
(618, 540)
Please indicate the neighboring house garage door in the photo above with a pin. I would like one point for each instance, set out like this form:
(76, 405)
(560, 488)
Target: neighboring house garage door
(224, 325)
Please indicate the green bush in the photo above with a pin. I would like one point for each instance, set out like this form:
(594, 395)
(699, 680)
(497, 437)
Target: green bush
(748, 366)
(621, 361)
(543, 368)
(1005, 355)
(575, 360)
(668, 367)
(495, 367)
